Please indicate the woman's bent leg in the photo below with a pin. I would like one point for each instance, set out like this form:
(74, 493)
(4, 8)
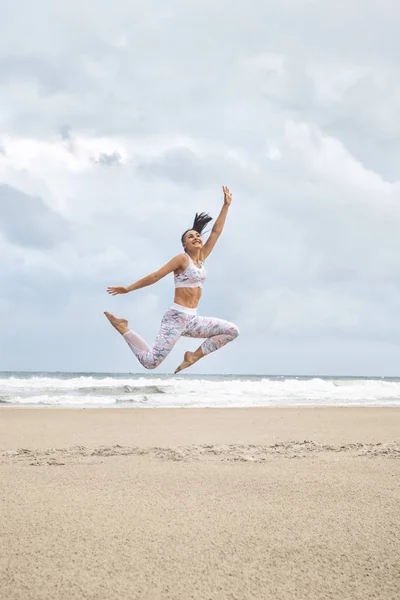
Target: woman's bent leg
(217, 331)
(172, 325)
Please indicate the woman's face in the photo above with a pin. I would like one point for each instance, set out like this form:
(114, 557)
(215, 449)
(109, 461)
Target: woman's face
(192, 240)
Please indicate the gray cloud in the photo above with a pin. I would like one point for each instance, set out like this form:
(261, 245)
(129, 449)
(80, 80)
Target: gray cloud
(108, 160)
(25, 220)
(294, 106)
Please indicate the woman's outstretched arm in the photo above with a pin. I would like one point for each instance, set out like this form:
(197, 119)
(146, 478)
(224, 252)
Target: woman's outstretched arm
(178, 262)
(219, 224)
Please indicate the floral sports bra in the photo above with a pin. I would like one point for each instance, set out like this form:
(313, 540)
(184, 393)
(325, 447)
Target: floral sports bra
(192, 277)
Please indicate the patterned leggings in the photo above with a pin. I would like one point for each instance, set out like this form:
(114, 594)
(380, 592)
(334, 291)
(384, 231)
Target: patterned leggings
(174, 324)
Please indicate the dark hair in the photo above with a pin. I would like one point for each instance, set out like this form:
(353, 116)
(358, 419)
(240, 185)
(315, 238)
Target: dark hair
(200, 222)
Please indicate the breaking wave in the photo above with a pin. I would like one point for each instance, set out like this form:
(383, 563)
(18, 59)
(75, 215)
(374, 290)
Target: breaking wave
(97, 390)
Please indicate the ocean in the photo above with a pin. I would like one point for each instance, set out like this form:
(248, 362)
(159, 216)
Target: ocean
(192, 391)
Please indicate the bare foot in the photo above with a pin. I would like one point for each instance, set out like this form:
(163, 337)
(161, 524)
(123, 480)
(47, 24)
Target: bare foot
(121, 325)
(189, 359)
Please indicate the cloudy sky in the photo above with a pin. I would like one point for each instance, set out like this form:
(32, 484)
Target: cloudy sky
(118, 121)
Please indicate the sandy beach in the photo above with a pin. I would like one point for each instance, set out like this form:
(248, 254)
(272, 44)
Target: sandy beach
(200, 504)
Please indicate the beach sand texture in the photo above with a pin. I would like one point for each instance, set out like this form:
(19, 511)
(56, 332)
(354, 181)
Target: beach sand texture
(200, 504)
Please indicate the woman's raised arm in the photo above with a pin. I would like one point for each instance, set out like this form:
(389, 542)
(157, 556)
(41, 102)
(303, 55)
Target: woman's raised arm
(218, 225)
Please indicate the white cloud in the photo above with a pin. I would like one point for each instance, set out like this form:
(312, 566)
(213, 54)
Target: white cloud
(119, 124)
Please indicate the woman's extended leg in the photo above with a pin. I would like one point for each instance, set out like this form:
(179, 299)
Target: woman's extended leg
(172, 325)
(217, 331)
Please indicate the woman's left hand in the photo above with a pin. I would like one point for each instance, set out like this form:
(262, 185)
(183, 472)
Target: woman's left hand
(227, 195)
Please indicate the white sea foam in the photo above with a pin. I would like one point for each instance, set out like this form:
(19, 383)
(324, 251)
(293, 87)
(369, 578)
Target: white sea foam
(142, 391)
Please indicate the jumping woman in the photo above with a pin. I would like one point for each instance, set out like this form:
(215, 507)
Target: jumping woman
(181, 318)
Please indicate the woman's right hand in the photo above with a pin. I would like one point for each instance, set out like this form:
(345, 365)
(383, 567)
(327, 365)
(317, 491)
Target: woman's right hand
(114, 291)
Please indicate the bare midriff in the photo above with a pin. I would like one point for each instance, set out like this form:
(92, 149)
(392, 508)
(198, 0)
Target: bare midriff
(189, 297)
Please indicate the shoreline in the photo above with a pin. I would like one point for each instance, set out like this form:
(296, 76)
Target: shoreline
(59, 426)
(127, 406)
